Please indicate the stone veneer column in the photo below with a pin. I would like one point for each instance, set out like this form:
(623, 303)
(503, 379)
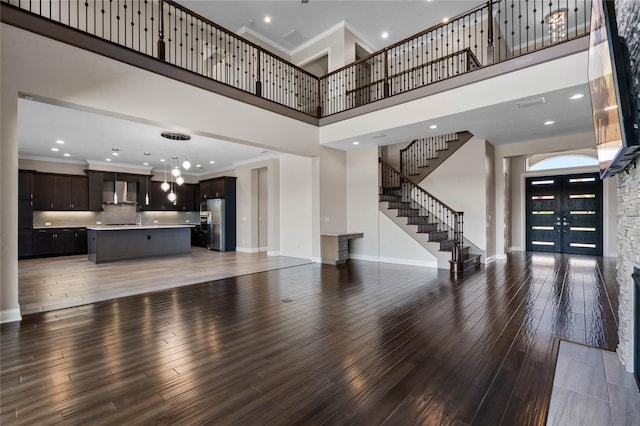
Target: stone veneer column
(628, 257)
(628, 16)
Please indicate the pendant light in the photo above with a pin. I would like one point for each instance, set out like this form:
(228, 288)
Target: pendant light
(146, 196)
(165, 185)
(172, 195)
(115, 193)
(186, 164)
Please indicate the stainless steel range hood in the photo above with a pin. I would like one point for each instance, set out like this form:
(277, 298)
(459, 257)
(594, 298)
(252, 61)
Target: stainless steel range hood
(121, 192)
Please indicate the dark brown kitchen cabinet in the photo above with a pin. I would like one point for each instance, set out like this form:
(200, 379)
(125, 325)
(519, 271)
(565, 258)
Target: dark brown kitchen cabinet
(25, 185)
(95, 183)
(25, 214)
(60, 192)
(184, 198)
(59, 242)
(206, 188)
(217, 188)
(42, 192)
(79, 193)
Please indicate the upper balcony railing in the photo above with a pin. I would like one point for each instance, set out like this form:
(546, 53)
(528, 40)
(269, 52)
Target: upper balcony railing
(494, 32)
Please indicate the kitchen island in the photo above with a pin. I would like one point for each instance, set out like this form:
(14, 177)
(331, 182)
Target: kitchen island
(112, 243)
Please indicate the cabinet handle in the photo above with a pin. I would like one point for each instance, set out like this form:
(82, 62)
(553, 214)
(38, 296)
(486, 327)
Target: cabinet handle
(51, 205)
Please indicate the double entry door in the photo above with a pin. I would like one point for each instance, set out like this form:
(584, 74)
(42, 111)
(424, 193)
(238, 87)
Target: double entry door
(564, 214)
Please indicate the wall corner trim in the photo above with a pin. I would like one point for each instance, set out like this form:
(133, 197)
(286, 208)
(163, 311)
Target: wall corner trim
(10, 315)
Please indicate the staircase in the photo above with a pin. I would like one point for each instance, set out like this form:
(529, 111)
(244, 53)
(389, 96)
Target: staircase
(433, 224)
(422, 156)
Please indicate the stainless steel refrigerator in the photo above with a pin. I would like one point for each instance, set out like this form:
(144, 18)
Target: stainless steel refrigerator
(216, 224)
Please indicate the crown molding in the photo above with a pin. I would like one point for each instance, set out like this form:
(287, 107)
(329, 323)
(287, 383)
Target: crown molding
(246, 30)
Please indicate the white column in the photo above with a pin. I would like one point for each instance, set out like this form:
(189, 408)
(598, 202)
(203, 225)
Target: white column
(9, 307)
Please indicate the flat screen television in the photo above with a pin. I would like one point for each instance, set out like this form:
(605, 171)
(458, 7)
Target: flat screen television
(614, 105)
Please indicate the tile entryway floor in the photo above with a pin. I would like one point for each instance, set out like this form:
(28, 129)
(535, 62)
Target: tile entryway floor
(590, 387)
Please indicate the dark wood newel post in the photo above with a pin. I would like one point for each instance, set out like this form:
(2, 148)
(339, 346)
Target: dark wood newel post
(386, 74)
(319, 102)
(490, 48)
(259, 76)
(161, 49)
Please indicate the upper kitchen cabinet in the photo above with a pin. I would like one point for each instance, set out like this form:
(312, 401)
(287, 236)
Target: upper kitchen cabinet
(96, 180)
(60, 192)
(25, 185)
(184, 198)
(221, 187)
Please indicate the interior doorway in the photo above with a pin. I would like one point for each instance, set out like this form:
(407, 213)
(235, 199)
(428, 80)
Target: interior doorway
(564, 214)
(263, 214)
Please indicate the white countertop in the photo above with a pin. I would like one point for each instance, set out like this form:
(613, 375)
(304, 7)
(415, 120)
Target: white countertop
(129, 227)
(341, 234)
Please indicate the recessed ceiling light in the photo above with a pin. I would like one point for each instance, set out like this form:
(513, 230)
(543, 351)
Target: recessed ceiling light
(145, 164)
(115, 153)
(60, 141)
(67, 155)
(577, 96)
(147, 153)
(199, 166)
(55, 149)
(549, 122)
(385, 35)
(356, 143)
(212, 162)
(162, 160)
(433, 126)
(107, 159)
(267, 19)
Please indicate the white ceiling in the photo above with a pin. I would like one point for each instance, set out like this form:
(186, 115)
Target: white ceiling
(500, 124)
(90, 137)
(369, 19)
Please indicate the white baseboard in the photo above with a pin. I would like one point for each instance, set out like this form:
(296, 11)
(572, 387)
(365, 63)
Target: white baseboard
(611, 254)
(364, 257)
(247, 249)
(515, 248)
(263, 249)
(502, 256)
(273, 253)
(395, 260)
(316, 259)
(489, 260)
(10, 315)
(410, 262)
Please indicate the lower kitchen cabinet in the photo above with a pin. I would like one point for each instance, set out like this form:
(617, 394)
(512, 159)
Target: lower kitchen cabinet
(25, 243)
(59, 242)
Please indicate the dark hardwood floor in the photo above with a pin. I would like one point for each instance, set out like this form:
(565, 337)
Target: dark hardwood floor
(365, 344)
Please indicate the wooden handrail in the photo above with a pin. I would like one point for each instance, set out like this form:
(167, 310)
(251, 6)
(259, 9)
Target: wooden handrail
(406, 178)
(428, 30)
(417, 67)
(232, 34)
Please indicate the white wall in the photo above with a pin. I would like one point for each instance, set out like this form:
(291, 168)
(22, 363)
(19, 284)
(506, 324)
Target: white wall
(333, 190)
(490, 195)
(362, 202)
(461, 183)
(246, 206)
(396, 246)
(296, 215)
